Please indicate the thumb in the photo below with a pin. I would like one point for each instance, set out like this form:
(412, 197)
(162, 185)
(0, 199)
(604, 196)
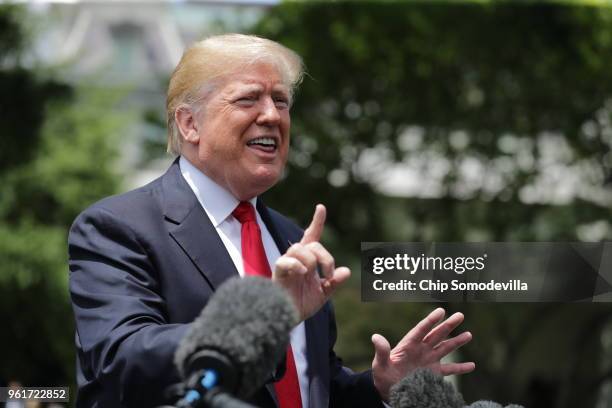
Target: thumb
(382, 350)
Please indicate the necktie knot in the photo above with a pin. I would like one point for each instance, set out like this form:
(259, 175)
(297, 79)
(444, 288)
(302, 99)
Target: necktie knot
(245, 212)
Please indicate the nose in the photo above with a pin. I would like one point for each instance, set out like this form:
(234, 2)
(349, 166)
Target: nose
(269, 114)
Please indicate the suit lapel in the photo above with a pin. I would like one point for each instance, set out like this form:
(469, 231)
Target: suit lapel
(282, 242)
(193, 231)
(195, 234)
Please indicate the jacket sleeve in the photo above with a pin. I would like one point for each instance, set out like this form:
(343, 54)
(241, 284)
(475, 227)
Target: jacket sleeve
(347, 388)
(125, 344)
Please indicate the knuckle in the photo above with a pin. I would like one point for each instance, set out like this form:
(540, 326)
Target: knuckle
(294, 263)
(314, 246)
(295, 247)
(295, 250)
(281, 260)
(311, 261)
(327, 264)
(282, 263)
(288, 265)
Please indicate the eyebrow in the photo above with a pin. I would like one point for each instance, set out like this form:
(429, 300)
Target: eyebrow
(256, 87)
(283, 91)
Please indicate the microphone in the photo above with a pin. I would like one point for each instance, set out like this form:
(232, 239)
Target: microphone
(485, 404)
(235, 344)
(423, 388)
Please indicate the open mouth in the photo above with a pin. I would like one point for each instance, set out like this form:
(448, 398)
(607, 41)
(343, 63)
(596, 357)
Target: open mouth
(265, 143)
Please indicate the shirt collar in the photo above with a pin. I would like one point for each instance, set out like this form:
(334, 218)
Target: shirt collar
(216, 200)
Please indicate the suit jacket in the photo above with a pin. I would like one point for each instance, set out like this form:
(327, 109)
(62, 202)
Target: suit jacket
(142, 266)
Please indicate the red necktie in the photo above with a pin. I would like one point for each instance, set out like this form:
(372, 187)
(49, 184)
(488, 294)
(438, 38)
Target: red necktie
(256, 263)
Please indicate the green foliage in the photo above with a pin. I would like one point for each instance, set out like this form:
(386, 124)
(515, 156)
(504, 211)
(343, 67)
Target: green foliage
(37, 339)
(469, 78)
(58, 146)
(521, 93)
(38, 201)
(24, 96)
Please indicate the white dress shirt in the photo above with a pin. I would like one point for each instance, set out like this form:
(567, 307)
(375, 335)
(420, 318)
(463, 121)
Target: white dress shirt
(219, 205)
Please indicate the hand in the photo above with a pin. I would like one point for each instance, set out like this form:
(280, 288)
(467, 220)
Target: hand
(422, 347)
(297, 272)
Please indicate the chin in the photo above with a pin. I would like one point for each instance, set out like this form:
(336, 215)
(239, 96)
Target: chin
(264, 180)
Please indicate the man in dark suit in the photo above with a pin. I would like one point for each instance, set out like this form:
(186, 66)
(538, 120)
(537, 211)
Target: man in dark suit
(143, 264)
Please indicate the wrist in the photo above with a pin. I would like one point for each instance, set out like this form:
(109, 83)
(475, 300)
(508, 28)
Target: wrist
(381, 386)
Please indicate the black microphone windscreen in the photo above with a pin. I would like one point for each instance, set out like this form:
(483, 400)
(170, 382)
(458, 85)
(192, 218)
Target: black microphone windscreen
(491, 404)
(484, 404)
(248, 320)
(424, 389)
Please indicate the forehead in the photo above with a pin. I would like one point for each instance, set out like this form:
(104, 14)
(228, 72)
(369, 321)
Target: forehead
(255, 77)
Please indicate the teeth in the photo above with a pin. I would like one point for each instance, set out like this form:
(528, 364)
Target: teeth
(264, 141)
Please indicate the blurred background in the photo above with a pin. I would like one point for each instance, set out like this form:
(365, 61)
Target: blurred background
(426, 121)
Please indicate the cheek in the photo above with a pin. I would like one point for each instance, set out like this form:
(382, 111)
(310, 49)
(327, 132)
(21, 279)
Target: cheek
(224, 140)
(229, 148)
(287, 123)
(286, 127)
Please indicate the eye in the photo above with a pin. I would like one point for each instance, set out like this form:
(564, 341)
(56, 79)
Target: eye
(246, 100)
(281, 102)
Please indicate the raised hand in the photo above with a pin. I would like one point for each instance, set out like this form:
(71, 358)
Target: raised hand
(308, 271)
(422, 347)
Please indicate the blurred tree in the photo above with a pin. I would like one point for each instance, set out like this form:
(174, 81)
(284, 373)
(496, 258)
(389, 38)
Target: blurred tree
(498, 119)
(56, 154)
(24, 95)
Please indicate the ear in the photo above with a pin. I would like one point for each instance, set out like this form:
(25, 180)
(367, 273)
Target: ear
(185, 120)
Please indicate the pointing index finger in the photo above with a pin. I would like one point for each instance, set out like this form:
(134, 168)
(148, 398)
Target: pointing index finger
(315, 229)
